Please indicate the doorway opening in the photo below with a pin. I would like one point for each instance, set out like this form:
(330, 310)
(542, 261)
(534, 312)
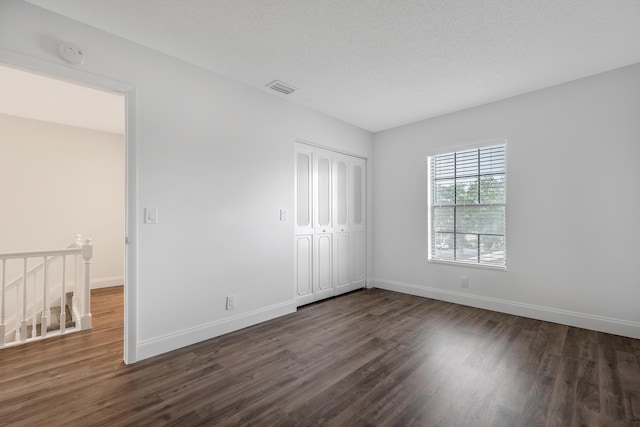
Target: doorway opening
(63, 162)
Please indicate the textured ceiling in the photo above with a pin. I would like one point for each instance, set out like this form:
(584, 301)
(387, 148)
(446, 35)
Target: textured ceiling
(33, 96)
(378, 64)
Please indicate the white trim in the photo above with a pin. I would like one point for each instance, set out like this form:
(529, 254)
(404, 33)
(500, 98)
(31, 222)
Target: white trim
(131, 230)
(468, 264)
(330, 148)
(107, 282)
(61, 71)
(466, 145)
(185, 337)
(549, 314)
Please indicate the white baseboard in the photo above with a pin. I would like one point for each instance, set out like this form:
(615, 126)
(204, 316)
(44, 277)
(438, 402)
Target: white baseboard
(107, 282)
(549, 314)
(165, 343)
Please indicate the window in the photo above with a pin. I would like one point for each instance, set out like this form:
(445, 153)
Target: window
(467, 201)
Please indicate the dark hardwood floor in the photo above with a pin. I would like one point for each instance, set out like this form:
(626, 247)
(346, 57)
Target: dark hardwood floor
(369, 358)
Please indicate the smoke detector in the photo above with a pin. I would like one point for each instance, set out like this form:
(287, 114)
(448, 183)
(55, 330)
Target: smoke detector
(281, 87)
(71, 53)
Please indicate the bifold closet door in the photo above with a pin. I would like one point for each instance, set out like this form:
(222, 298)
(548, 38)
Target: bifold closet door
(357, 223)
(323, 224)
(304, 235)
(341, 218)
(350, 235)
(330, 233)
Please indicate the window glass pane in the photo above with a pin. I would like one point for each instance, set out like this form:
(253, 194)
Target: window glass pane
(443, 219)
(467, 247)
(492, 189)
(467, 191)
(480, 219)
(304, 190)
(444, 192)
(492, 249)
(443, 247)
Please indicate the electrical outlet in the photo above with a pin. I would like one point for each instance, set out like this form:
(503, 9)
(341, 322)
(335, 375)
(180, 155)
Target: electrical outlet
(464, 282)
(231, 302)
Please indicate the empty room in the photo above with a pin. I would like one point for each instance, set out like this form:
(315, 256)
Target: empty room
(334, 213)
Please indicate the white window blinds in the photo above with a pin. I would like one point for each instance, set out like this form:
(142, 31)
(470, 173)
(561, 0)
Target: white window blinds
(467, 206)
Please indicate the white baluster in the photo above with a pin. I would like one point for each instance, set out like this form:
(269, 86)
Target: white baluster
(87, 253)
(34, 306)
(23, 324)
(63, 297)
(44, 320)
(17, 306)
(2, 302)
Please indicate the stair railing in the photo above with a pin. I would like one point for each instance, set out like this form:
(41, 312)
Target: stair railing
(38, 306)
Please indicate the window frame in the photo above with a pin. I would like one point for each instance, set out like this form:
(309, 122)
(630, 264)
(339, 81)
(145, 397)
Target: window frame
(431, 243)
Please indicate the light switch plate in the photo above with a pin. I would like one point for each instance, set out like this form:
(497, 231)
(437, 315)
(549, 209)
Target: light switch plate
(231, 302)
(150, 215)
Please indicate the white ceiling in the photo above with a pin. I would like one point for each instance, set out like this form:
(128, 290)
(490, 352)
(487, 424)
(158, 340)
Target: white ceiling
(378, 64)
(33, 96)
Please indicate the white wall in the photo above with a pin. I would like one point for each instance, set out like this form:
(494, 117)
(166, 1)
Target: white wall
(59, 181)
(573, 239)
(216, 158)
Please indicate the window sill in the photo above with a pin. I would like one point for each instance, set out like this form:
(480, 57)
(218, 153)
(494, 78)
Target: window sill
(468, 264)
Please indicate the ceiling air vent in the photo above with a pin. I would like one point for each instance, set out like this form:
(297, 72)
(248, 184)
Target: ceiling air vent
(284, 88)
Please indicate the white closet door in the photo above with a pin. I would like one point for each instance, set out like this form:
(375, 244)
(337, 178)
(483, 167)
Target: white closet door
(330, 230)
(341, 218)
(323, 223)
(304, 223)
(357, 222)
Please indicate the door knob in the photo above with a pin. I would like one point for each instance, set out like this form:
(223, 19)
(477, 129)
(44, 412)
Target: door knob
(324, 231)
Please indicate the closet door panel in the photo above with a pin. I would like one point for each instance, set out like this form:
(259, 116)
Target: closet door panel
(341, 220)
(304, 191)
(357, 222)
(341, 192)
(323, 191)
(323, 265)
(357, 201)
(343, 277)
(359, 259)
(304, 265)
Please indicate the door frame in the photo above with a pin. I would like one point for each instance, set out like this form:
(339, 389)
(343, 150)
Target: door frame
(76, 76)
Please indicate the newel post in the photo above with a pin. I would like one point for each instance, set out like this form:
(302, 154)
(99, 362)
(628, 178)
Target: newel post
(87, 253)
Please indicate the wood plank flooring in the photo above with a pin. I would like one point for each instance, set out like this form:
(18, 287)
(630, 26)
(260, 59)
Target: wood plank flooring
(369, 358)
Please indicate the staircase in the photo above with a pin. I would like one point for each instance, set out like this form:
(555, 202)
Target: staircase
(54, 320)
(49, 296)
